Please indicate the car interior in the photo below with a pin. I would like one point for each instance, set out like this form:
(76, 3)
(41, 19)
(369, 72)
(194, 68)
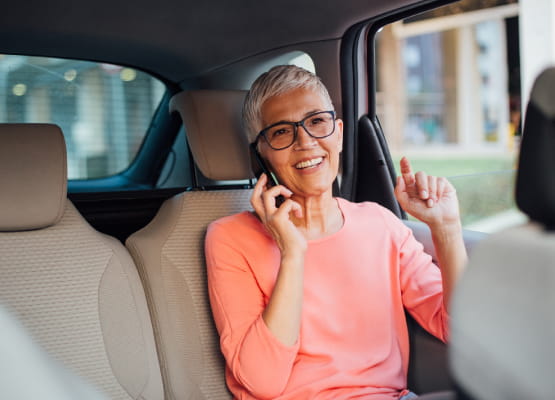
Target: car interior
(107, 274)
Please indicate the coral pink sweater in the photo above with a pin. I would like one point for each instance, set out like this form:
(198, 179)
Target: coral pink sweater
(358, 281)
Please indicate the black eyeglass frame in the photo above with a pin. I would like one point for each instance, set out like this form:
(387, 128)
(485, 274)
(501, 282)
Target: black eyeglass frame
(295, 129)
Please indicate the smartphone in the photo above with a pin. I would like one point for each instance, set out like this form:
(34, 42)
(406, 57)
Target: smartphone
(258, 166)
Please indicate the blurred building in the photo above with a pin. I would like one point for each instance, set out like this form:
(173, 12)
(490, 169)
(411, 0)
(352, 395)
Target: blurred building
(449, 79)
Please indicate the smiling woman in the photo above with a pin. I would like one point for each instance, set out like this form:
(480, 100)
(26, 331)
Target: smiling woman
(281, 277)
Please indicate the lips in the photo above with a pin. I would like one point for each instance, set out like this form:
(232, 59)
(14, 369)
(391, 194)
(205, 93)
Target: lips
(309, 163)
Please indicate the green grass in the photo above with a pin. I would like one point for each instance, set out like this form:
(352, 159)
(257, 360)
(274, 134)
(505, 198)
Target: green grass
(455, 166)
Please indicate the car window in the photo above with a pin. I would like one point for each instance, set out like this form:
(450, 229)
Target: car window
(449, 98)
(104, 110)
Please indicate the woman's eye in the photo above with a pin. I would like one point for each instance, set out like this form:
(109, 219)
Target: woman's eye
(280, 132)
(316, 120)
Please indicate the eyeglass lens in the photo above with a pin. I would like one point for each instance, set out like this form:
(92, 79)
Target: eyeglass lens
(318, 125)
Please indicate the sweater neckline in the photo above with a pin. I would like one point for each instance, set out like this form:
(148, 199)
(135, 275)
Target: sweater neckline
(340, 204)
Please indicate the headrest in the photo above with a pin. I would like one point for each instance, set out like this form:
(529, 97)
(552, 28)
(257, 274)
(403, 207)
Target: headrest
(33, 176)
(212, 120)
(535, 186)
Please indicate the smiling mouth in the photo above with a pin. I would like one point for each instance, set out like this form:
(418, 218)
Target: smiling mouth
(309, 163)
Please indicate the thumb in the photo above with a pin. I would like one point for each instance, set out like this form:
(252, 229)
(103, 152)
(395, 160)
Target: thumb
(297, 209)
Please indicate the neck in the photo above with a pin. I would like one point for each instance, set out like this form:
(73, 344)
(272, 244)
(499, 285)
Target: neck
(321, 216)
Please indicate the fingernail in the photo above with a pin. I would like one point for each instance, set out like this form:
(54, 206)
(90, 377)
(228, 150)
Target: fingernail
(424, 194)
(430, 203)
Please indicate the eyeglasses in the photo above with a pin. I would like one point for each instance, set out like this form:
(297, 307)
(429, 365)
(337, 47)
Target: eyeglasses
(283, 134)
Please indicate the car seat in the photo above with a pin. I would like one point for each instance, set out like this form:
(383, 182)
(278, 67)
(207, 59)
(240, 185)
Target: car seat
(75, 290)
(502, 315)
(22, 358)
(169, 251)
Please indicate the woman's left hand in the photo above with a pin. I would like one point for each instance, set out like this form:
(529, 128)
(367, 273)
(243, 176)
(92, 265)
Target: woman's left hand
(432, 200)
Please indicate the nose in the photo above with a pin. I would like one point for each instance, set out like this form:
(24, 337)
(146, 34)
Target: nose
(303, 138)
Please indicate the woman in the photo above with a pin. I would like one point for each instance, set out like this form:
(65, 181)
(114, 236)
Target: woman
(309, 297)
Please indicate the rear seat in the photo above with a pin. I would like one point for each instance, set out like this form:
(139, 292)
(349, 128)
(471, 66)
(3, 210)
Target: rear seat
(75, 290)
(169, 252)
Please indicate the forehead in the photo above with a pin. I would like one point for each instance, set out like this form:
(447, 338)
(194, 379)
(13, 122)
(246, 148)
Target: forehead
(292, 105)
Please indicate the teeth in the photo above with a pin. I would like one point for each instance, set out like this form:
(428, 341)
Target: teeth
(309, 163)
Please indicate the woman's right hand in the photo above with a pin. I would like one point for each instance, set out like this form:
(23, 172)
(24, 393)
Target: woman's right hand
(277, 221)
(282, 314)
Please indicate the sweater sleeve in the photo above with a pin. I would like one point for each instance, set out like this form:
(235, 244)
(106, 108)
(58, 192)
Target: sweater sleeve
(421, 284)
(257, 360)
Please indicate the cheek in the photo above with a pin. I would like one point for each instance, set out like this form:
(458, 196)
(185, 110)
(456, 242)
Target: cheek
(278, 161)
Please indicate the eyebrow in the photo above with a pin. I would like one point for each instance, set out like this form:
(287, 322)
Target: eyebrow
(306, 114)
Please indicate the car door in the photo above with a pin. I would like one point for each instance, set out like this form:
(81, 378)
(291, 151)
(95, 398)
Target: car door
(438, 87)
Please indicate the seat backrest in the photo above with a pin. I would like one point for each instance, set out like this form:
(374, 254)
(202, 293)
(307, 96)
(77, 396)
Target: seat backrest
(169, 252)
(22, 358)
(502, 315)
(74, 289)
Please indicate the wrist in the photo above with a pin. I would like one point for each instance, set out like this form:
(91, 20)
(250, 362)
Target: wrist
(296, 256)
(445, 224)
(445, 230)
(292, 256)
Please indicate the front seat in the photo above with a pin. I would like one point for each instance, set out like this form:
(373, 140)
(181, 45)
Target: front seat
(75, 290)
(23, 359)
(503, 323)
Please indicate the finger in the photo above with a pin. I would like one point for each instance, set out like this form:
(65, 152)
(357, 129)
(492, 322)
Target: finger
(290, 206)
(432, 191)
(441, 187)
(422, 185)
(297, 209)
(256, 197)
(269, 197)
(260, 184)
(406, 171)
(432, 188)
(405, 166)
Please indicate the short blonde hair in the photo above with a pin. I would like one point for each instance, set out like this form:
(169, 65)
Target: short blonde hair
(276, 81)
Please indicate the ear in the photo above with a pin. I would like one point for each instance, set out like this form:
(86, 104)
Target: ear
(339, 128)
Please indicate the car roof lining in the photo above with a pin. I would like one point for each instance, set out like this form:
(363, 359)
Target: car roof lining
(117, 31)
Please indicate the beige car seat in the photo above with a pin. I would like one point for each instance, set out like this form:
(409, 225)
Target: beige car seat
(75, 290)
(169, 252)
(503, 323)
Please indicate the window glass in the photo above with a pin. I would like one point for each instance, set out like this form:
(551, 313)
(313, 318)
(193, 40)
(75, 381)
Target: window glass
(303, 60)
(104, 110)
(448, 98)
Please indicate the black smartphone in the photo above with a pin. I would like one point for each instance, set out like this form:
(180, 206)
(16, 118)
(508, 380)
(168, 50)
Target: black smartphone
(258, 166)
